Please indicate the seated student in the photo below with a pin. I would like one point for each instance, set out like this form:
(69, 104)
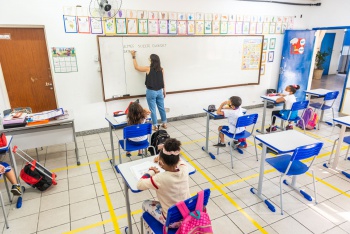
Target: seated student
(137, 115)
(231, 109)
(288, 98)
(10, 175)
(171, 186)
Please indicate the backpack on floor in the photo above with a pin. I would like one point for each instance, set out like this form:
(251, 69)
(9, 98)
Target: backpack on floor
(310, 118)
(157, 138)
(197, 221)
(36, 178)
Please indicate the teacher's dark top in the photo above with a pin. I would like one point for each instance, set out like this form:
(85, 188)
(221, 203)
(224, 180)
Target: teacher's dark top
(154, 80)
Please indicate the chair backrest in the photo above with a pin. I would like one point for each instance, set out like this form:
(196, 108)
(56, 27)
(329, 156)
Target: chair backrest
(246, 120)
(300, 105)
(137, 130)
(174, 215)
(307, 151)
(331, 96)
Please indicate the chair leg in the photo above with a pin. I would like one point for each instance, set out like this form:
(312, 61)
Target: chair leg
(231, 145)
(281, 200)
(217, 150)
(302, 120)
(331, 156)
(4, 210)
(315, 191)
(321, 118)
(347, 152)
(120, 155)
(333, 117)
(256, 151)
(141, 220)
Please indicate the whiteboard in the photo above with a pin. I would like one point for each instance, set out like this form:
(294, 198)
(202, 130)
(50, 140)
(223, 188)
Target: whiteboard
(190, 63)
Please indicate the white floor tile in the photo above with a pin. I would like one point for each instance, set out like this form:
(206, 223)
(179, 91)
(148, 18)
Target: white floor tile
(84, 209)
(315, 222)
(54, 217)
(288, 225)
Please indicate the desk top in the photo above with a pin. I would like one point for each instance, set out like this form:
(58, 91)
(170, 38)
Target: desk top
(129, 177)
(286, 141)
(343, 120)
(113, 122)
(216, 116)
(69, 119)
(270, 98)
(318, 92)
(5, 148)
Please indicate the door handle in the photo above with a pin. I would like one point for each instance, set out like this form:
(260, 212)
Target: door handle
(48, 84)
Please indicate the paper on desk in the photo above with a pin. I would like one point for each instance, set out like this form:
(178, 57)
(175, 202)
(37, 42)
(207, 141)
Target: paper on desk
(140, 169)
(120, 119)
(46, 115)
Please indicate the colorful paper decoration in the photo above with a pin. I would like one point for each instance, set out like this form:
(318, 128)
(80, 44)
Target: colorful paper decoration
(121, 26)
(70, 24)
(143, 26)
(153, 28)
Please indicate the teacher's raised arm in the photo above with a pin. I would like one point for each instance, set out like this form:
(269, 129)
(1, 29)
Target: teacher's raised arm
(155, 87)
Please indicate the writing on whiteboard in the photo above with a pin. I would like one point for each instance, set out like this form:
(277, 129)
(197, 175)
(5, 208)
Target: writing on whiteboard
(129, 47)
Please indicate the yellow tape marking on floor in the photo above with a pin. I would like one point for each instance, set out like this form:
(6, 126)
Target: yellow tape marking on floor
(329, 185)
(81, 229)
(108, 199)
(255, 223)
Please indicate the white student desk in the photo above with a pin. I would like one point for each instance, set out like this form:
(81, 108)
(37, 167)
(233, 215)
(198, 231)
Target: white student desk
(215, 116)
(130, 181)
(52, 133)
(281, 142)
(345, 122)
(113, 124)
(266, 100)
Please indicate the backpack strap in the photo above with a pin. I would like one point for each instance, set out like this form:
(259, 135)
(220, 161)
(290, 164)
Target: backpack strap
(200, 200)
(183, 209)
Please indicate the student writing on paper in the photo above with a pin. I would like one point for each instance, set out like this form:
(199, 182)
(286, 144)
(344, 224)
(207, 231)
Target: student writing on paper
(137, 115)
(155, 92)
(171, 186)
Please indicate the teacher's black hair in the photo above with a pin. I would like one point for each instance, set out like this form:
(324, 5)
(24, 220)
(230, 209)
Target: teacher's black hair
(155, 63)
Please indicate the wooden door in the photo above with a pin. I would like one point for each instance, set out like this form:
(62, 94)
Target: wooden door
(26, 68)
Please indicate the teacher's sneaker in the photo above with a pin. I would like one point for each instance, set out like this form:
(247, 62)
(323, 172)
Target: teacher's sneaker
(16, 190)
(220, 145)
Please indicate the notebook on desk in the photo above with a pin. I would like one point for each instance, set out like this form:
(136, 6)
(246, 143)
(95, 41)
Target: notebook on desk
(140, 169)
(120, 119)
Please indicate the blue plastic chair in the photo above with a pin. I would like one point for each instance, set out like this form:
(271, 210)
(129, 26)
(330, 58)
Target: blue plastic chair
(291, 165)
(135, 131)
(347, 141)
(327, 103)
(297, 106)
(173, 215)
(242, 121)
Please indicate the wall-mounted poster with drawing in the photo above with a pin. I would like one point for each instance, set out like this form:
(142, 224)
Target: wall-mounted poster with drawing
(70, 24)
(153, 27)
(223, 27)
(208, 27)
(239, 26)
(262, 69)
(259, 28)
(143, 26)
(132, 26)
(190, 27)
(163, 26)
(245, 29)
(83, 24)
(199, 27)
(109, 26)
(121, 26)
(271, 56)
(272, 44)
(182, 27)
(172, 27)
(216, 27)
(96, 25)
(251, 54)
(231, 27)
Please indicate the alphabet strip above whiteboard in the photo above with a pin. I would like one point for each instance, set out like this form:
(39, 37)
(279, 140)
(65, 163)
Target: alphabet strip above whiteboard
(80, 20)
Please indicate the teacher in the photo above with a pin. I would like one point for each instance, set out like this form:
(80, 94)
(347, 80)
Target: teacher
(155, 92)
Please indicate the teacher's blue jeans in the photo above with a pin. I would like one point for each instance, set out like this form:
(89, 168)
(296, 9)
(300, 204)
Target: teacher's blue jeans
(156, 98)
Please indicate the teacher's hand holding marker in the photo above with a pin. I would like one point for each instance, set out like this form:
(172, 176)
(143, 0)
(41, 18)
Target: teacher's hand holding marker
(155, 87)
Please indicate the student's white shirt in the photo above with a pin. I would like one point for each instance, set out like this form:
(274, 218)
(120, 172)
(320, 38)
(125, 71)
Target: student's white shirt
(289, 100)
(171, 187)
(232, 116)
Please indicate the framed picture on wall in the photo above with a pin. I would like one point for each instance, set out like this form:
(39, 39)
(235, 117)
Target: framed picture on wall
(223, 27)
(263, 57)
(271, 56)
(239, 26)
(272, 44)
(109, 26)
(182, 27)
(265, 44)
(190, 27)
(231, 25)
(207, 27)
(259, 28)
(152, 27)
(199, 27)
(172, 27)
(163, 26)
(70, 24)
(216, 27)
(83, 24)
(262, 69)
(245, 29)
(143, 26)
(132, 26)
(96, 25)
(121, 26)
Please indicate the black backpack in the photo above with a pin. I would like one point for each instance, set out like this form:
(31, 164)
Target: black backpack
(35, 178)
(157, 138)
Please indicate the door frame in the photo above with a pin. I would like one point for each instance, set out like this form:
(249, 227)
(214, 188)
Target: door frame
(347, 75)
(4, 89)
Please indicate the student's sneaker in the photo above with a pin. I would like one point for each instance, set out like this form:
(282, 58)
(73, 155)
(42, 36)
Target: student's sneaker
(273, 129)
(220, 145)
(128, 154)
(140, 154)
(16, 190)
(289, 127)
(242, 145)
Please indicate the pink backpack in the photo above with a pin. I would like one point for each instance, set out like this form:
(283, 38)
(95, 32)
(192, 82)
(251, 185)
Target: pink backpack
(310, 118)
(197, 221)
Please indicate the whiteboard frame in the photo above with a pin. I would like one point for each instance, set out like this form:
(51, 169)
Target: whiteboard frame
(179, 91)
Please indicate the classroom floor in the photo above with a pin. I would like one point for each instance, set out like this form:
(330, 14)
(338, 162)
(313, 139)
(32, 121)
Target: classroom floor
(77, 203)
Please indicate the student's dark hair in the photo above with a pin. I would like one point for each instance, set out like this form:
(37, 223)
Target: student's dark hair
(155, 63)
(236, 101)
(293, 88)
(136, 114)
(171, 144)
